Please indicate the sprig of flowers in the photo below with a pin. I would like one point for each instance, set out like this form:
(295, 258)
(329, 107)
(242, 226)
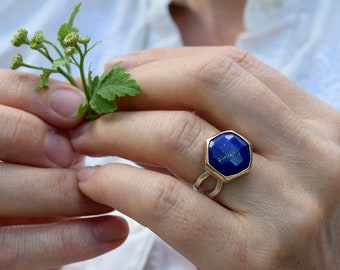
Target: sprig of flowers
(100, 91)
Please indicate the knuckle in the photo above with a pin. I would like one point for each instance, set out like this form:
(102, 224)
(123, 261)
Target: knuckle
(62, 241)
(56, 246)
(216, 70)
(13, 127)
(321, 151)
(8, 254)
(305, 219)
(18, 83)
(241, 57)
(180, 135)
(164, 199)
(62, 187)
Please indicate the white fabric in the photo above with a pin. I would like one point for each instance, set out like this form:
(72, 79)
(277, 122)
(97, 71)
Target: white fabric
(300, 38)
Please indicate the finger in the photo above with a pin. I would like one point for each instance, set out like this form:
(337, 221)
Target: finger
(37, 192)
(55, 105)
(164, 138)
(12, 221)
(52, 245)
(220, 91)
(285, 89)
(217, 89)
(172, 210)
(26, 139)
(173, 140)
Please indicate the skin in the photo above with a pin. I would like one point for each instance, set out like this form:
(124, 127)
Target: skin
(40, 200)
(283, 214)
(39, 195)
(213, 22)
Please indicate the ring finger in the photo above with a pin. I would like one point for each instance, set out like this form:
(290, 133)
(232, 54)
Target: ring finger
(171, 139)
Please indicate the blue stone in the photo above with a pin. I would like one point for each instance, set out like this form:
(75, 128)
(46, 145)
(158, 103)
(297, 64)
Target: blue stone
(229, 154)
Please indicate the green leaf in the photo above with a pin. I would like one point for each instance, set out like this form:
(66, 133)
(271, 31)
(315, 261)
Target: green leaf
(101, 105)
(67, 28)
(117, 82)
(58, 63)
(101, 91)
(93, 82)
(43, 82)
(113, 83)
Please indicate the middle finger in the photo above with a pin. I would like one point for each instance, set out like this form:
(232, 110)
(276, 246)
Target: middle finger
(220, 91)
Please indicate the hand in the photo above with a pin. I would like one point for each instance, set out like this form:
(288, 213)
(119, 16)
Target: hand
(39, 195)
(283, 214)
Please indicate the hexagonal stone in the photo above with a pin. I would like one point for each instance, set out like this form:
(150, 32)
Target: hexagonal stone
(228, 155)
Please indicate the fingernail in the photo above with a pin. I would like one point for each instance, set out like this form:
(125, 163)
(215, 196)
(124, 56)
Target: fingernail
(111, 229)
(66, 102)
(127, 61)
(58, 149)
(85, 173)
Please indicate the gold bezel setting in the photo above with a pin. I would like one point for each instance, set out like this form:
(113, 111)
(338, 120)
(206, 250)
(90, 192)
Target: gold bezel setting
(228, 155)
(232, 148)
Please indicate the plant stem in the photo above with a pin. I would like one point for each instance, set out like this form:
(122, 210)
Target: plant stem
(69, 77)
(82, 73)
(38, 68)
(54, 47)
(69, 70)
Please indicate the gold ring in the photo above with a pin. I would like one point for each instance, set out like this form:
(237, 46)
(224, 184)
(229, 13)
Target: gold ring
(227, 155)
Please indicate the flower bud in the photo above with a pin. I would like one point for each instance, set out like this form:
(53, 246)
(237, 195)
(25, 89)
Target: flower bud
(84, 39)
(20, 37)
(17, 61)
(71, 39)
(37, 40)
(70, 51)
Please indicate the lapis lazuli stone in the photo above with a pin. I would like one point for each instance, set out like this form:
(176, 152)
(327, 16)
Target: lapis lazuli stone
(229, 154)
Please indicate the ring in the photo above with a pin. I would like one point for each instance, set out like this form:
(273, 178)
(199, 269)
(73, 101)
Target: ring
(227, 155)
